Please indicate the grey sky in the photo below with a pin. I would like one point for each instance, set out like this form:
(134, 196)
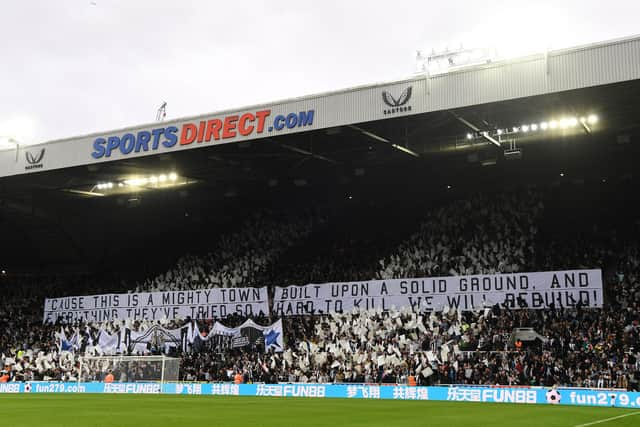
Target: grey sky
(70, 67)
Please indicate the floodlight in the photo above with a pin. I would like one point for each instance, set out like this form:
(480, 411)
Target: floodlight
(173, 176)
(544, 125)
(525, 128)
(592, 119)
(534, 127)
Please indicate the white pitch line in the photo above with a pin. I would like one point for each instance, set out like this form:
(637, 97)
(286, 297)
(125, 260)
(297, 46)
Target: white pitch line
(607, 419)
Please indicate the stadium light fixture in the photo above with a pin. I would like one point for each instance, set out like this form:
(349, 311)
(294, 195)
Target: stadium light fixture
(17, 131)
(156, 181)
(563, 123)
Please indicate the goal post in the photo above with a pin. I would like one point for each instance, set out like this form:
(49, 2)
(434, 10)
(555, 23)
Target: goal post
(129, 368)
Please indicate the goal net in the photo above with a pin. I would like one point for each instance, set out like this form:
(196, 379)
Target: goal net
(129, 368)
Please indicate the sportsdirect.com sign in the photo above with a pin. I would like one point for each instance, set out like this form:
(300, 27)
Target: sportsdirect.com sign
(538, 290)
(201, 132)
(312, 113)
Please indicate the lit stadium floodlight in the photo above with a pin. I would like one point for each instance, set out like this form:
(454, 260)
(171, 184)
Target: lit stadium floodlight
(135, 183)
(563, 123)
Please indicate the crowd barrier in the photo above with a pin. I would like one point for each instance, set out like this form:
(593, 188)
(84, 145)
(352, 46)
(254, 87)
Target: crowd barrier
(521, 395)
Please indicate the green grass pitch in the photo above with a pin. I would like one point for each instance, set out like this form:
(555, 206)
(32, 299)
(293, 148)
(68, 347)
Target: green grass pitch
(184, 411)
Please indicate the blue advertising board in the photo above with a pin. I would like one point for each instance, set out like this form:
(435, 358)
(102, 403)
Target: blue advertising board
(520, 395)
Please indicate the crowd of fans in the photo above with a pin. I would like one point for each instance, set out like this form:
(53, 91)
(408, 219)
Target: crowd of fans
(481, 234)
(240, 257)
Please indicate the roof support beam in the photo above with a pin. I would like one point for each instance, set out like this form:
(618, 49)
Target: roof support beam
(386, 141)
(471, 126)
(308, 153)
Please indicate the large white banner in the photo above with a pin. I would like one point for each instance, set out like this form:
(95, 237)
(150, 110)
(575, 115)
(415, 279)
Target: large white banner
(197, 304)
(538, 290)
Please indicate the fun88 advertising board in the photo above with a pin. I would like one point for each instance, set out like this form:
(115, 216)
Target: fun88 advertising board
(517, 395)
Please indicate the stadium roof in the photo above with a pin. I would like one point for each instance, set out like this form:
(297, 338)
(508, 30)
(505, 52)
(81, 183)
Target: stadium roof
(543, 74)
(384, 141)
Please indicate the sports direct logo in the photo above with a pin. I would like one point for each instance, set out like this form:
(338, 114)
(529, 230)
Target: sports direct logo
(244, 125)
